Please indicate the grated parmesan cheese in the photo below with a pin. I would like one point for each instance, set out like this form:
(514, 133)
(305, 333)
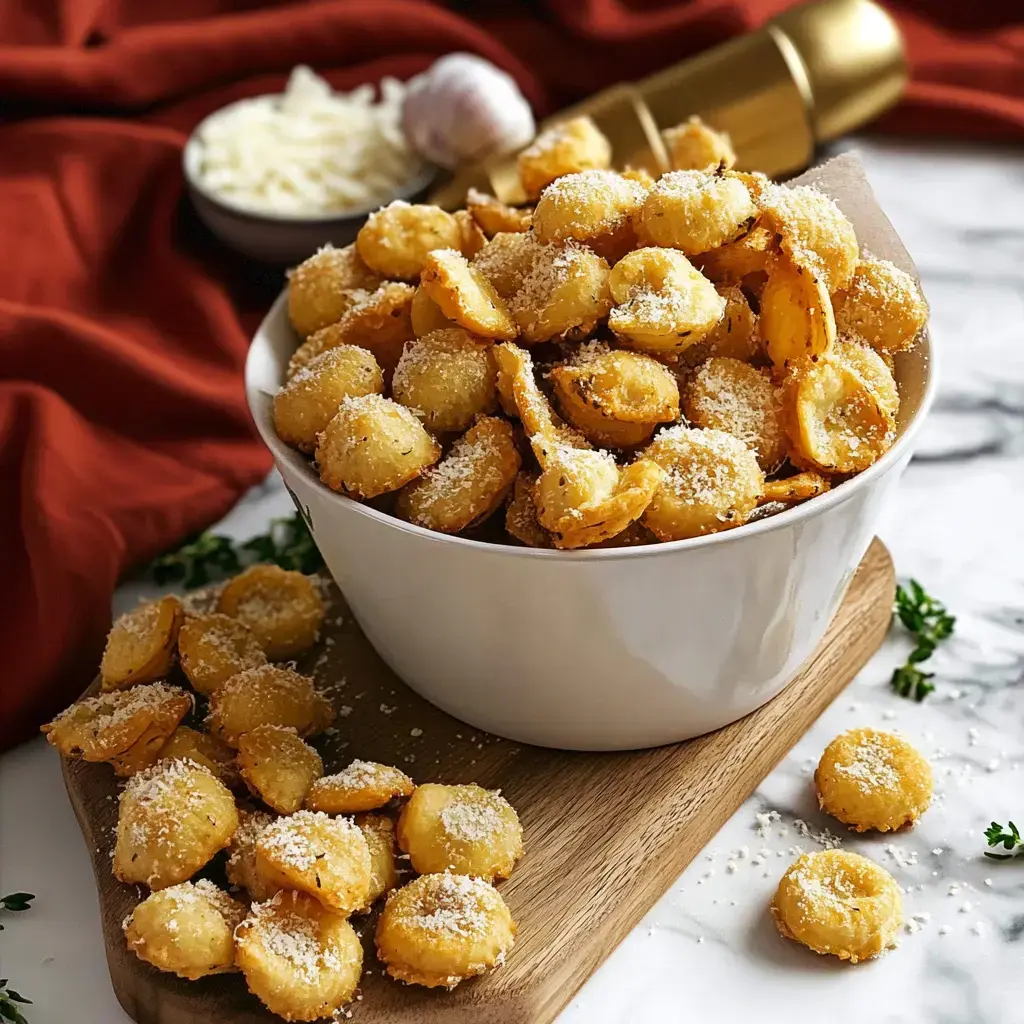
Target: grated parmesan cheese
(309, 150)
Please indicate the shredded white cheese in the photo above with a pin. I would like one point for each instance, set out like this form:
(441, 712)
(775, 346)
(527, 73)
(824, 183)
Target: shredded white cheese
(310, 150)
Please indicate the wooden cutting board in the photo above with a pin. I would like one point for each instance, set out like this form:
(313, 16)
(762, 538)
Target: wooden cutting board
(605, 834)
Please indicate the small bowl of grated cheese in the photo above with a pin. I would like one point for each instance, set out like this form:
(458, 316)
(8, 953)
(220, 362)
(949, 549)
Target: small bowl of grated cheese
(277, 176)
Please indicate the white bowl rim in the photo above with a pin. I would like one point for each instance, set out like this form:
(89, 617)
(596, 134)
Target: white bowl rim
(805, 510)
(189, 157)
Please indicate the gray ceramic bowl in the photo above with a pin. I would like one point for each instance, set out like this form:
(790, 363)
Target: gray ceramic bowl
(274, 237)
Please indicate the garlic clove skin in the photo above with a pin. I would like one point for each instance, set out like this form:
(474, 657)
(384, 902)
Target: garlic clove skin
(464, 109)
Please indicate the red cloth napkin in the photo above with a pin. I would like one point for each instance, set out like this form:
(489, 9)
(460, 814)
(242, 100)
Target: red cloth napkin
(123, 326)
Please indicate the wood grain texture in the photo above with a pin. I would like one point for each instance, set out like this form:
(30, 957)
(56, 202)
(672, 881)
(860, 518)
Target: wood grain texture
(606, 834)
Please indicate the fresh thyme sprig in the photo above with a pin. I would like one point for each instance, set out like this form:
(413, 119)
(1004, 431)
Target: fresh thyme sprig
(8, 998)
(929, 623)
(1008, 838)
(209, 557)
(16, 902)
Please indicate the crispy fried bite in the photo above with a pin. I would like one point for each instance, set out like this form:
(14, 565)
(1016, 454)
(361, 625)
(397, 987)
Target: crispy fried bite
(873, 780)
(840, 903)
(213, 647)
(267, 695)
(322, 288)
(301, 959)
(282, 608)
(468, 484)
(471, 830)
(441, 929)
(141, 643)
(277, 766)
(395, 240)
(126, 727)
(361, 786)
(172, 819)
(313, 853)
(372, 446)
(564, 148)
(187, 929)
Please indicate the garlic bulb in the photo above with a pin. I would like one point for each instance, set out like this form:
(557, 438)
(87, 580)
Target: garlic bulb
(464, 109)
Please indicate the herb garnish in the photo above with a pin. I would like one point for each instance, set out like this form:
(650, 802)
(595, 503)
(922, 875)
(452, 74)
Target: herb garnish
(1008, 838)
(209, 557)
(8, 997)
(929, 623)
(15, 903)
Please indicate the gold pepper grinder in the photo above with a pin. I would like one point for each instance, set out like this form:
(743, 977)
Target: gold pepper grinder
(810, 75)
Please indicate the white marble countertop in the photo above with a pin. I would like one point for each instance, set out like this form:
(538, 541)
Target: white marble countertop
(708, 949)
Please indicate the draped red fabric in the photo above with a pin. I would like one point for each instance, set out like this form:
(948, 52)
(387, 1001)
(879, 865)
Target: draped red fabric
(123, 326)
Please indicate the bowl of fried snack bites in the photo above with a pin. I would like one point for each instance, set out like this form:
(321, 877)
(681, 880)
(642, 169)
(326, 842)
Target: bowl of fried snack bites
(594, 472)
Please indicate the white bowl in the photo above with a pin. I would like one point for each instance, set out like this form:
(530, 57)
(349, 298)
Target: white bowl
(279, 238)
(592, 650)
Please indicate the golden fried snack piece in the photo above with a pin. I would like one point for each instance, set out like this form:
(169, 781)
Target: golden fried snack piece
(240, 867)
(300, 959)
(325, 857)
(506, 260)
(812, 232)
(663, 304)
(321, 288)
(267, 695)
(712, 483)
(873, 780)
(396, 239)
(379, 833)
(592, 207)
(473, 239)
(518, 387)
(574, 145)
(736, 335)
(874, 370)
(378, 321)
(584, 498)
(426, 315)
(694, 211)
(446, 378)
(465, 295)
(881, 306)
(309, 398)
(494, 216)
(836, 421)
(186, 930)
(140, 645)
(468, 484)
(373, 446)
(794, 489)
(737, 262)
(616, 398)
(441, 929)
(796, 321)
(521, 515)
(283, 609)
(693, 146)
(838, 902)
(214, 647)
(173, 818)
(638, 174)
(563, 295)
(471, 830)
(277, 766)
(132, 725)
(725, 394)
(362, 786)
(188, 744)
